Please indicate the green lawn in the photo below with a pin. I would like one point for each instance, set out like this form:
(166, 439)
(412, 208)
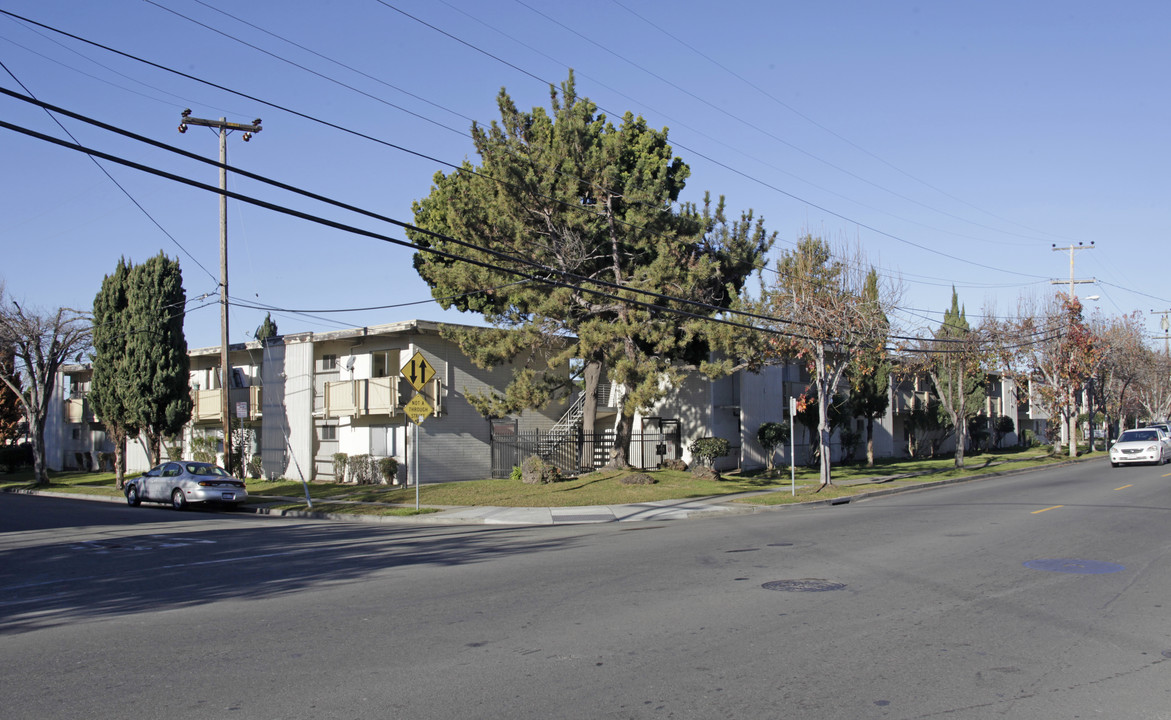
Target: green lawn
(600, 488)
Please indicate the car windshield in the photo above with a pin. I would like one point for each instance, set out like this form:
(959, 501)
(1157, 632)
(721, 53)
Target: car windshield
(1138, 436)
(206, 470)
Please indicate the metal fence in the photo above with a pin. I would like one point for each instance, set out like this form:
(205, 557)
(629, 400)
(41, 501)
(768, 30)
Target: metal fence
(510, 447)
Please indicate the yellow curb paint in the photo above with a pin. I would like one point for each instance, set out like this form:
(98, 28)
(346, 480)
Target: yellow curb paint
(1046, 509)
(1126, 486)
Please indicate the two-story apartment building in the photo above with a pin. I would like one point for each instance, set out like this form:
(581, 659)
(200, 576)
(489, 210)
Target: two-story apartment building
(305, 396)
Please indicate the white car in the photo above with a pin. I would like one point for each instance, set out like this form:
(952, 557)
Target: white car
(1144, 445)
(184, 482)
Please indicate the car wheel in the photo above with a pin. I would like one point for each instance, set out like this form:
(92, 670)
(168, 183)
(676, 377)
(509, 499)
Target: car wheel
(132, 498)
(177, 500)
(1113, 464)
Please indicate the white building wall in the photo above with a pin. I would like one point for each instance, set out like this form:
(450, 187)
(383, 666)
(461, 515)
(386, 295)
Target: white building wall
(763, 399)
(297, 416)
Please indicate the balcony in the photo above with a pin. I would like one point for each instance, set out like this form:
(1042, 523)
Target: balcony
(207, 404)
(78, 410)
(358, 398)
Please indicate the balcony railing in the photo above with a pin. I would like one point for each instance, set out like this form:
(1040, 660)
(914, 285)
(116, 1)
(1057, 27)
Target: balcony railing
(373, 396)
(208, 404)
(78, 410)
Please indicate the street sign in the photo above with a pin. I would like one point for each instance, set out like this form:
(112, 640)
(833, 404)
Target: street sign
(418, 371)
(417, 408)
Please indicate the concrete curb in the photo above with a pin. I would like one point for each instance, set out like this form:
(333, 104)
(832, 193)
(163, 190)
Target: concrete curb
(723, 505)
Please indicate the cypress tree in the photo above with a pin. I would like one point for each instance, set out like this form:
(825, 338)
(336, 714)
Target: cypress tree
(157, 364)
(111, 387)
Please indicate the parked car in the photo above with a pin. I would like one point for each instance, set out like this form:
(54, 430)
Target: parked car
(1166, 428)
(1144, 445)
(185, 482)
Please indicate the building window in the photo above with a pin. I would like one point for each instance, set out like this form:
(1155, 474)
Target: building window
(76, 433)
(329, 432)
(329, 362)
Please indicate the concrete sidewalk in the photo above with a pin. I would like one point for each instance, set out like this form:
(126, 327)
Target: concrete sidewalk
(490, 515)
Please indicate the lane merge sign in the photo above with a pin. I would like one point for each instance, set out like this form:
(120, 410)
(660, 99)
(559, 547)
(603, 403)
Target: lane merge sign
(418, 371)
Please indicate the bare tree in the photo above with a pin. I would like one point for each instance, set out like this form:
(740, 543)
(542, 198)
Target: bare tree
(1153, 389)
(1060, 353)
(41, 343)
(1124, 356)
(823, 307)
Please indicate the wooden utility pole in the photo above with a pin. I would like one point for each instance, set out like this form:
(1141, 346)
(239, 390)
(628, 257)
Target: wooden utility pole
(1071, 281)
(1072, 428)
(223, 126)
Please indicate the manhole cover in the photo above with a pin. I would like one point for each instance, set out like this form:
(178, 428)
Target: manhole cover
(803, 585)
(1071, 565)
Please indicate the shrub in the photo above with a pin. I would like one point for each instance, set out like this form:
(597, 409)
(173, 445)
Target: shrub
(255, 467)
(516, 474)
(772, 435)
(339, 467)
(708, 449)
(703, 472)
(362, 469)
(13, 457)
(637, 479)
(388, 469)
(535, 471)
(203, 448)
(675, 464)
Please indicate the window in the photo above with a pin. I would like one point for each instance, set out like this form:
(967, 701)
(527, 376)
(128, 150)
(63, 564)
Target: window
(328, 432)
(329, 362)
(384, 363)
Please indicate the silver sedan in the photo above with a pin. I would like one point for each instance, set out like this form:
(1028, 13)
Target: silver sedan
(184, 482)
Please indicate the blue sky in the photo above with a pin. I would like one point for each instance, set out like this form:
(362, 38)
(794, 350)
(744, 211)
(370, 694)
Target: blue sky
(955, 142)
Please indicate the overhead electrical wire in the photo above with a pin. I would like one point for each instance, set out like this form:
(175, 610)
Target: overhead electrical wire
(430, 158)
(544, 279)
(113, 180)
(729, 168)
(840, 137)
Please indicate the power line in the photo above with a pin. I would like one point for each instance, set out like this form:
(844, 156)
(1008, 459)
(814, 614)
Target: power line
(546, 279)
(454, 166)
(111, 177)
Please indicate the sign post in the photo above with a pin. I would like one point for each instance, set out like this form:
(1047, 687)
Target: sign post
(418, 372)
(792, 445)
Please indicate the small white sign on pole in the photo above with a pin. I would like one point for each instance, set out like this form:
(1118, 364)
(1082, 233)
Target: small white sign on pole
(792, 445)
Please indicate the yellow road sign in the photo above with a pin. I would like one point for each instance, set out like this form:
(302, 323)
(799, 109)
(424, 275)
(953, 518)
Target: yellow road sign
(417, 408)
(418, 371)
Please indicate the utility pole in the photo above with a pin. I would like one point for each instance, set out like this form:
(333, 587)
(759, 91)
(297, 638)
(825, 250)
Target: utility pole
(1071, 250)
(1166, 327)
(1072, 428)
(223, 126)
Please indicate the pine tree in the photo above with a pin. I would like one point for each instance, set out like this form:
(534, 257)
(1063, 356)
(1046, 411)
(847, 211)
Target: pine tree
(590, 202)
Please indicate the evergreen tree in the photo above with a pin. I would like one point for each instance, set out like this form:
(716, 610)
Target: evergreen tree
(157, 365)
(266, 330)
(869, 370)
(111, 386)
(590, 202)
(956, 365)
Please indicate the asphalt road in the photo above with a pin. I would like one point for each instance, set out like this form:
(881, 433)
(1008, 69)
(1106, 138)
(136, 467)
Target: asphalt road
(1033, 596)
